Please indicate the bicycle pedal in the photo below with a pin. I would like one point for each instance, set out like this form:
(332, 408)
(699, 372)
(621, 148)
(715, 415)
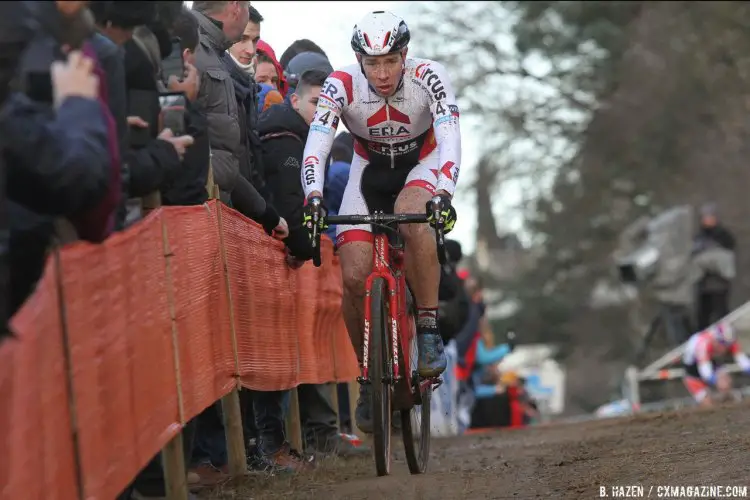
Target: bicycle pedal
(363, 381)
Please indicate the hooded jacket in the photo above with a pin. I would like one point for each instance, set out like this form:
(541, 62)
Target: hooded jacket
(283, 85)
(283, 133)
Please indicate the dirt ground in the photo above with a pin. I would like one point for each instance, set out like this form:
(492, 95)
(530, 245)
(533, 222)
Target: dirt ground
(690, 447)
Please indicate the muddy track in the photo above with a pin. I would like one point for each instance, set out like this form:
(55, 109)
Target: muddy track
(691, 447)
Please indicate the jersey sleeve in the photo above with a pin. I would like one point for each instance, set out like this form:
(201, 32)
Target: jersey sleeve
(444, 109)
(335, 96)
(740, 357)
(703, 360)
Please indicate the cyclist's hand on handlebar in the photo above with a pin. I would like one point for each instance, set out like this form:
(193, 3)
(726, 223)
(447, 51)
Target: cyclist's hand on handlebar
(314, 209)
(448, 214)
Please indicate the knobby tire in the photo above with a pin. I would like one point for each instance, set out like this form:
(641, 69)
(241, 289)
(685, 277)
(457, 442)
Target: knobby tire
(415, 422)
(380, 365)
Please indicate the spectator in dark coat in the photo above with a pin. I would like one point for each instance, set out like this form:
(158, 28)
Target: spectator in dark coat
(59, 163)
(712, 290)
(283, 130)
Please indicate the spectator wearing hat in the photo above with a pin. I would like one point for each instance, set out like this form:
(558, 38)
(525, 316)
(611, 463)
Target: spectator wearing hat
(305, 61)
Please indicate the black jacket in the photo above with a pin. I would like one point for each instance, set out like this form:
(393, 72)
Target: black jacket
(283, 133)
(157, 164)
(189, 188)
(246, 92)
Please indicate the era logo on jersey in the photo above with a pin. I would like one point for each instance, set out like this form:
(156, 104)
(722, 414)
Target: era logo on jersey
(310, 163)
(329, 94)
(388, 131)
(428, 75)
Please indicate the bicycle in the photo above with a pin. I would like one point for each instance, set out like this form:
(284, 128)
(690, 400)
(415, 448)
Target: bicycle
(392, 358)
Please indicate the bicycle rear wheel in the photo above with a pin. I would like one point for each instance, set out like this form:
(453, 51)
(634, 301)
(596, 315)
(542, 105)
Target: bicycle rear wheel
(380, 368)
(415, 422)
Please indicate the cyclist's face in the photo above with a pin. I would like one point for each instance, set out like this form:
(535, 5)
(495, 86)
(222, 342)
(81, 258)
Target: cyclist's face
(720, 348)
(383, 72)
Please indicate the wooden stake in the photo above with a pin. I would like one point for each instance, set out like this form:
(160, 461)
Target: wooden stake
(172, 455)
(173, 463)
(230, 404)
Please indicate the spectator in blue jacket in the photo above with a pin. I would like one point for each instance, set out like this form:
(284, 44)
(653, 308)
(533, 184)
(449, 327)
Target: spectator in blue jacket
(337, 175)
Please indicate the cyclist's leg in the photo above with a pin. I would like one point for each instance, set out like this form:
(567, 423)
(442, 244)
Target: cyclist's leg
(422, 267)
(698, 389)
(354, 248)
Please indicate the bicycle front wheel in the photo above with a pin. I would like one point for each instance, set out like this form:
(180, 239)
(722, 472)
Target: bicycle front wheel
(380, 368)
(415, 422)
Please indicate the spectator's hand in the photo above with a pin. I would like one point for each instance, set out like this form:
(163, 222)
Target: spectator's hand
(180, 143)
(293, 262)
(74, 77)
(137, 121)
(188, 85)
(281, 231)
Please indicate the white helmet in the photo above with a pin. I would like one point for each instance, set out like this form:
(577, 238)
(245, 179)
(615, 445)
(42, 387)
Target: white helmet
(723, 332)
(380, 33)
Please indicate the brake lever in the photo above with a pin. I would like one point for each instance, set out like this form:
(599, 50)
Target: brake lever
(439, 236)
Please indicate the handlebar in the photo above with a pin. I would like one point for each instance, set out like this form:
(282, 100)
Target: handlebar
(381, 219)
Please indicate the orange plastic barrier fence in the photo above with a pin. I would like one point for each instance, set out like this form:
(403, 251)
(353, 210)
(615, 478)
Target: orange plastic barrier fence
(123, 342)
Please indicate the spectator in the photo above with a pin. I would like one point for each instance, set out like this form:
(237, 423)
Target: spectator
(189, 188)
(283, 130)
(302, 62)
(221, 23)
(337, 175)
(297, 47)
(282, 85)
(243, 52)
(713, 289)
(59, 164)
(156, 162)
(269, 76)
(473, 345)
(248, 93)
(16, 30)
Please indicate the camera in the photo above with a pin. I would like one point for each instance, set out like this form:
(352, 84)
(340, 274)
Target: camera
(655, 249)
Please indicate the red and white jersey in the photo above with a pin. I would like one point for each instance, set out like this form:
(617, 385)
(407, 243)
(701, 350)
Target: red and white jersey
(701, 353)
(700, 348)
(390, 132)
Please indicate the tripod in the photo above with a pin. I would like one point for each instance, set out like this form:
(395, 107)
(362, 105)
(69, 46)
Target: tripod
(675, 318)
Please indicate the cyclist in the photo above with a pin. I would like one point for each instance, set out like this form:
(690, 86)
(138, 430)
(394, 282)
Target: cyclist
(702, 360)
(403, 116)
